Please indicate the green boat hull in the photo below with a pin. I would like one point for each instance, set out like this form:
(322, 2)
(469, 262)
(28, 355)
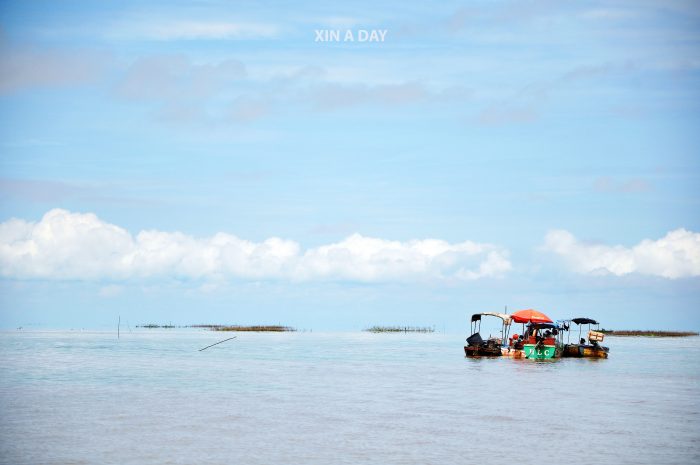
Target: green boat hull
(542, 352)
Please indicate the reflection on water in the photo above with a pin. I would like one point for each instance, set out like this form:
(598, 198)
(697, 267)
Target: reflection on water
(152, 397)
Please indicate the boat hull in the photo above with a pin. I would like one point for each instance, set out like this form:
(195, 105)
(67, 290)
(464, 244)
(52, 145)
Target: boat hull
(541, 351)
(482, 351)
(512, 353)
(585, 350)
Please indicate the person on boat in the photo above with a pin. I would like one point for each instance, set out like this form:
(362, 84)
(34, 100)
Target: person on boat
(518, 344)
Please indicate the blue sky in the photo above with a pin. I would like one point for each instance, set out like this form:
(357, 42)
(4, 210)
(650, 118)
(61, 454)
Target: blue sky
(212, 162)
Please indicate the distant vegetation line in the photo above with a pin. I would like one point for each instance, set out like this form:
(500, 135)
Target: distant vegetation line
(648, 333)
(260, 328)
(154, 326)
(254, 328)
(399, 329)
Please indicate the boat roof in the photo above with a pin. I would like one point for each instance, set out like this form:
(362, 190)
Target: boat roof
(584, 321)
(542, 326)
(503, 316)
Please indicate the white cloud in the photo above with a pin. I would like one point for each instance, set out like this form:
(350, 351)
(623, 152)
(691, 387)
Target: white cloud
(630, 186)
(66, 245)
(371, 259)
(332, 96)
(171, 78)
(184, 91)
(675, 255)
(110, 290)
(610, 14)
(499, 115)
(192, 30)
(342, 22)
(26, 68)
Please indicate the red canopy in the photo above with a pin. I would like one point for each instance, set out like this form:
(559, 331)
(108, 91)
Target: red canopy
(530, 316)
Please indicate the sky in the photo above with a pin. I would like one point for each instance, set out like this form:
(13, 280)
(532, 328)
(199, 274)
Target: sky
(219, 162)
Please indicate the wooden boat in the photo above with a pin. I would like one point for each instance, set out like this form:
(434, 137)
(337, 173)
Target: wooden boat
(493, 346)
(592, 349)
(541, 339)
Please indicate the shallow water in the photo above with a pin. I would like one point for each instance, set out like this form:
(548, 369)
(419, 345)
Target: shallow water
(340, 398)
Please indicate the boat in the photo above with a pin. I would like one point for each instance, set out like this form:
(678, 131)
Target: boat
(543, 341)
(541, 338)
(493, 346)
(592, 349)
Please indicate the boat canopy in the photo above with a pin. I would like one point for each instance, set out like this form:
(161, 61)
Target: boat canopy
(530, 316)
(503, 316)
(584, 321)
(543, 326)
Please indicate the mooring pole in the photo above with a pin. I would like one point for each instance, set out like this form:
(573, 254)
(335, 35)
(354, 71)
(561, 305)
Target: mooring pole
(217, 343)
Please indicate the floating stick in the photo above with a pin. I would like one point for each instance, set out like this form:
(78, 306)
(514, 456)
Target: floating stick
(234, 337)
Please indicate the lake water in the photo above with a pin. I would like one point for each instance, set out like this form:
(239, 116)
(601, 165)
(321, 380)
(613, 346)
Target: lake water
(72, 397)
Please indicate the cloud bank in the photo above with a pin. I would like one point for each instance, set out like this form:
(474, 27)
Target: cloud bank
(676, 255)
(80, 246)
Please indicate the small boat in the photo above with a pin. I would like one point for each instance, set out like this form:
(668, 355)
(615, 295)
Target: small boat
(493, 346)
(541, 339)
(591, 349)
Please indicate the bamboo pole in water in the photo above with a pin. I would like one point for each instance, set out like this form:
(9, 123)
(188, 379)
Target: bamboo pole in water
(234, 337)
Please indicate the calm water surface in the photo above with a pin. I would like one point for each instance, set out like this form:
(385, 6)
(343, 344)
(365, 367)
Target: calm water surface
(70, 397)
